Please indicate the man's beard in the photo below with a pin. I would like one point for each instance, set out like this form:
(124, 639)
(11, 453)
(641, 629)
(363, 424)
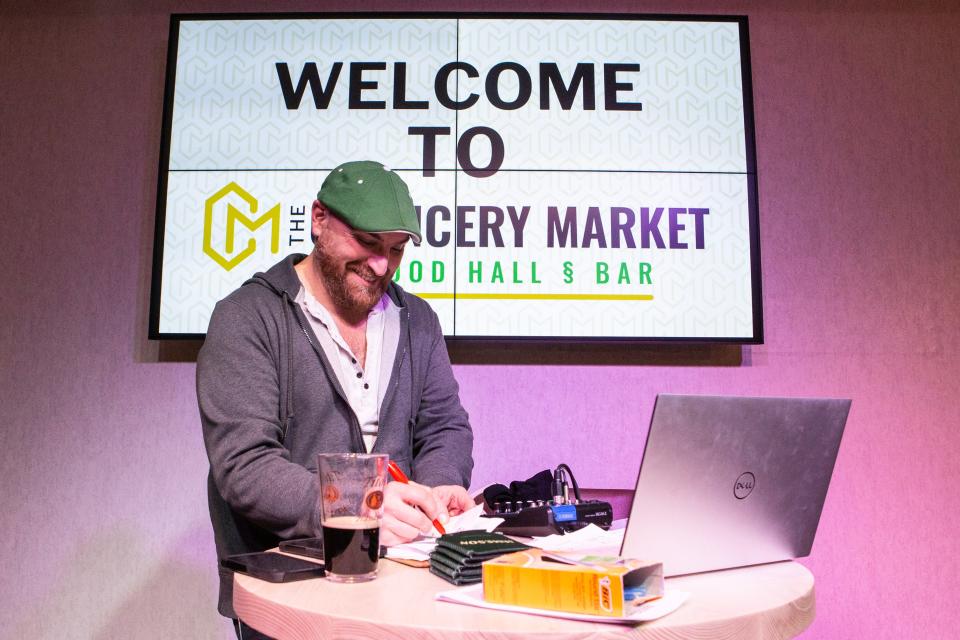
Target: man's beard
(352, 297)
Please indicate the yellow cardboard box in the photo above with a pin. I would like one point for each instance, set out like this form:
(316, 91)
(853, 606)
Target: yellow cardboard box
(598, 585)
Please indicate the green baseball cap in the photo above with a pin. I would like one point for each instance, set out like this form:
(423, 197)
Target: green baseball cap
(369, 197)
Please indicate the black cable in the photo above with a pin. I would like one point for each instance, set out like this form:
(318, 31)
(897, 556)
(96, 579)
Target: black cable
(567, 472)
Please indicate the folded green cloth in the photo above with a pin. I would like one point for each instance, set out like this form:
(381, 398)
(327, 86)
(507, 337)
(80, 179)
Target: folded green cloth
(450, 558)
(450, 570)
(478, 545)
(459, 581)
(458, 556)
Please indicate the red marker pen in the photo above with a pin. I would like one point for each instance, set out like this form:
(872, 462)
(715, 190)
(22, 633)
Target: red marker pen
(397, 474)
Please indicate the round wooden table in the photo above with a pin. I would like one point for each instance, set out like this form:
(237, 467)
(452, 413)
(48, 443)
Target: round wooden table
(767, 601)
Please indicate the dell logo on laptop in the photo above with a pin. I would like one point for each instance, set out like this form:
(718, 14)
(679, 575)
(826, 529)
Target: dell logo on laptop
(744, 485)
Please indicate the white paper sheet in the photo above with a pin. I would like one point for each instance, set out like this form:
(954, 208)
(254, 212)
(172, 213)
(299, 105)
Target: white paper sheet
(473, 596)
(589, 538)
(421, 548)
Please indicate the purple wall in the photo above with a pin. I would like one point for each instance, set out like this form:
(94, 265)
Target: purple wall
(103, 509)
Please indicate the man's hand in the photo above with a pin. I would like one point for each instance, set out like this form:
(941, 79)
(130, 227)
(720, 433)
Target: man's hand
(453, 498)
(409, 509)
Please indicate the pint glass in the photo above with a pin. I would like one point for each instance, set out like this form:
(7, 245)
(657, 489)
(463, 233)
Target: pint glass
(351, 506)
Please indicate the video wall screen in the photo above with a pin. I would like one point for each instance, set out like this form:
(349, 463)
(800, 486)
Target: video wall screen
(576, 176)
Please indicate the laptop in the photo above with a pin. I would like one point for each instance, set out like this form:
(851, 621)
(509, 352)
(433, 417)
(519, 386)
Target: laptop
(730, 482)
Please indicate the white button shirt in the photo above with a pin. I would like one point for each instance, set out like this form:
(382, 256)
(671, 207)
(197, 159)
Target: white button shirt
(362, 385)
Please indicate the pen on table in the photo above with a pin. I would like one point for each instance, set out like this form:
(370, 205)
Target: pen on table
(397, 474)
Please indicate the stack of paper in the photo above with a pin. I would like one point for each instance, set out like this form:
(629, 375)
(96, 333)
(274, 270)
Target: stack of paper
(421, 548)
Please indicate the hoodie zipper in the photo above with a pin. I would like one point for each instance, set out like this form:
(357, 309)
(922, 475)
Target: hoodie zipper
(353, 417)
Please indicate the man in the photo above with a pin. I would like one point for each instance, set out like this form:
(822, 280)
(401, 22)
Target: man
(324, 353)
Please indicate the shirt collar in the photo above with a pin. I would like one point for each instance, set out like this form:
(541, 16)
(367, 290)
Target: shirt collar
(321, 313)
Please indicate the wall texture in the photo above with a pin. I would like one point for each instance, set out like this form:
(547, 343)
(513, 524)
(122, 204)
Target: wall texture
(102, 510)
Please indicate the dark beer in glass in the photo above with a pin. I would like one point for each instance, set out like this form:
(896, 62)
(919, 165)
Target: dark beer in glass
(351, 547)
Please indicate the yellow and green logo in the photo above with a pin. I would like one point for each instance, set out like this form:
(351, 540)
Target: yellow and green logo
(235, 216)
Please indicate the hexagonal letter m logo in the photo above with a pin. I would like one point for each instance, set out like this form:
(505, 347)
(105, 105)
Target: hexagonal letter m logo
(235, 216)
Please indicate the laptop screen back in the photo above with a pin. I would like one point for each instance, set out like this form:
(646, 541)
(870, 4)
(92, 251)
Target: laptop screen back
(731, 482)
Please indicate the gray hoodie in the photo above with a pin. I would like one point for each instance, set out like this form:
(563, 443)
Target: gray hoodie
(270, 402)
